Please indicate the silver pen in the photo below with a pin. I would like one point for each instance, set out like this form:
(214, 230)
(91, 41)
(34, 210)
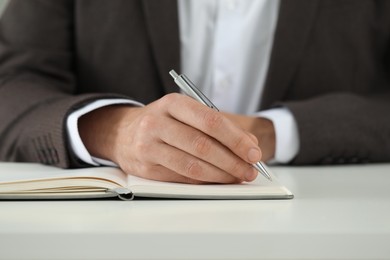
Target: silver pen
(191, 90)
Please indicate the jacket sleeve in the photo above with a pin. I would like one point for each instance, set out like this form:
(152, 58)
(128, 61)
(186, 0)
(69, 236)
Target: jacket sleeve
(38, 85)
(340, 128)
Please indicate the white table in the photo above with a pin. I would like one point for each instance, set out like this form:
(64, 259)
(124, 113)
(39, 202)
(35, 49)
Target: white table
(337, 213)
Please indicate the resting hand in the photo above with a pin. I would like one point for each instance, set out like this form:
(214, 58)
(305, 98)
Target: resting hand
(173, 139)
(261, 129)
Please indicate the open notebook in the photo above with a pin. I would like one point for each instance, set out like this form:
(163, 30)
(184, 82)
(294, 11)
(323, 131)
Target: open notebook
(35, 181)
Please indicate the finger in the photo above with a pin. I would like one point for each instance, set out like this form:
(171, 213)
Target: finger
(253, 137)
(216, 125)
(189, 166)
(160, 173)
(206, 148)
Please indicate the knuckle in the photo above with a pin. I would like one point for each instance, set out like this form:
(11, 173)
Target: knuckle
(147, 123)
(194, 170)
(239, 141)
(165, 103)
(253, 138)
(212, 119)
(170, 98)
(142, 148)
(202, 145)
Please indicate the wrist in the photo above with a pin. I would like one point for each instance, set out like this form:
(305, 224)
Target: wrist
(99, 129)
(264, 130)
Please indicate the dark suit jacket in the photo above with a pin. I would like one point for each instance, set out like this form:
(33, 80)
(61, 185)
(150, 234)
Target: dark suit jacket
(329, 66)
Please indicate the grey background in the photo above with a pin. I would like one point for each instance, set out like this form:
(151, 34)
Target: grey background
(2, 5)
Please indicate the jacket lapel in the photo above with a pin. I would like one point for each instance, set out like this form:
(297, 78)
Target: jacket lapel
(292, 32)
(163, 27)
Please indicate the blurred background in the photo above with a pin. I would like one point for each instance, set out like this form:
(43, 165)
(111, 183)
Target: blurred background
(2, 4)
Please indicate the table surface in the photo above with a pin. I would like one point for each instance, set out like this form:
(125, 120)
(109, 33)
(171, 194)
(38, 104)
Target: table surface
(339, 212)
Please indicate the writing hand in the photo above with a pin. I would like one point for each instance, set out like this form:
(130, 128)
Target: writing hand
(173, 139)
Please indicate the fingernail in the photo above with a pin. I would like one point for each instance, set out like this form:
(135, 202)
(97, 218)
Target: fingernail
(254, 155)
(251, 175)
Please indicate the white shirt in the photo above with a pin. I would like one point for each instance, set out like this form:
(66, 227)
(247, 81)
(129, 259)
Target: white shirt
(225, 49)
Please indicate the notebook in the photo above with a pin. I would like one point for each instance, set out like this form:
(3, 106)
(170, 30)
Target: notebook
(35, 181)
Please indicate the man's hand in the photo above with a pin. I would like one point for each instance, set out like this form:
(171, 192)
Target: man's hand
(261, 128)
(173, 139)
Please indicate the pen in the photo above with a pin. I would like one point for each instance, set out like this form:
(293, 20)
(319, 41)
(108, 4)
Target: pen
(191, 90)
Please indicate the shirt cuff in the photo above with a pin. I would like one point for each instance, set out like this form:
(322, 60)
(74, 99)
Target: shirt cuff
(286, 131)
(76, 143)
